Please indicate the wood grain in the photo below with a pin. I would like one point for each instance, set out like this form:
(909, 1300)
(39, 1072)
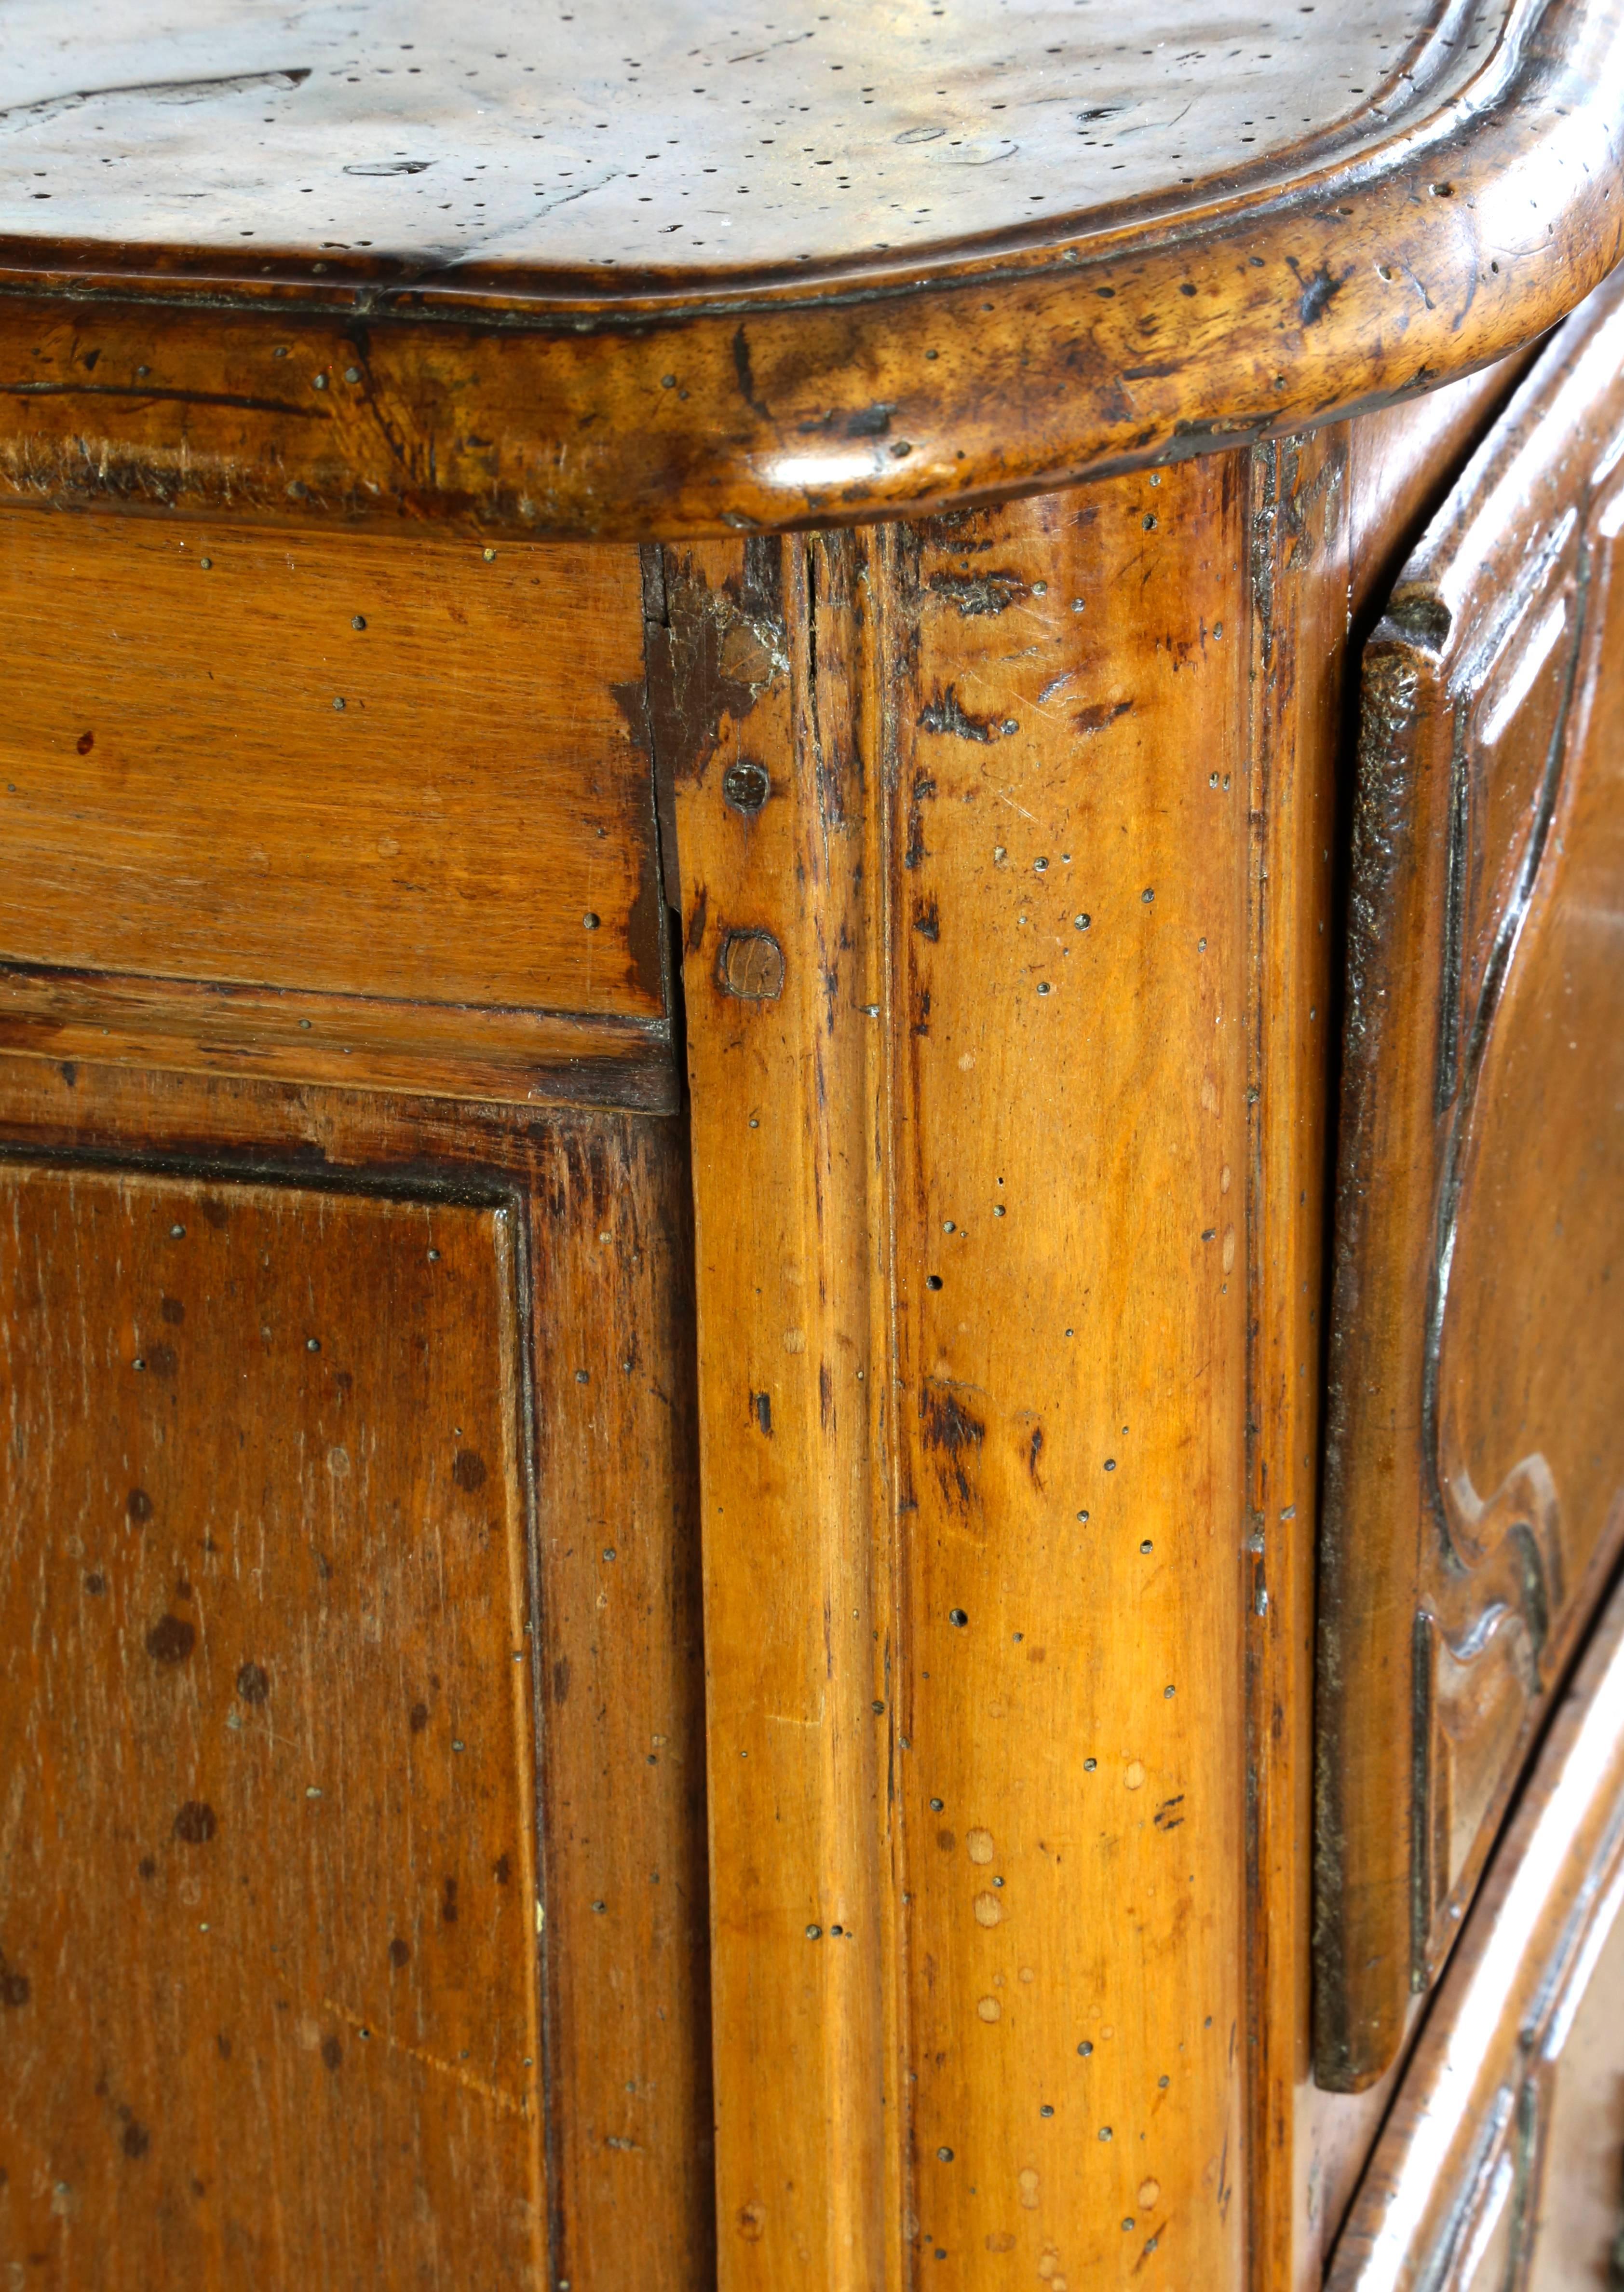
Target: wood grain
(623, 1723)
(993, 1157)
(1490, 2172)
(1424, 237)
(894, 756)
(1072, 1435)
(599, 1268)
(790, 1279)
(269, 1895)
(1473, 1473)
(321, 805)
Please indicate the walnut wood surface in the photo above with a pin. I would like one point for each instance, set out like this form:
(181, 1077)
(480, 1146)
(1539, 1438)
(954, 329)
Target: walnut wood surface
(554, 1331)
(522, 374)
(270, 1883)
(1474, 1474)
(925, 780)
(1500, 2161)
(1032, 1538)
(985, 1427)
(319, 804)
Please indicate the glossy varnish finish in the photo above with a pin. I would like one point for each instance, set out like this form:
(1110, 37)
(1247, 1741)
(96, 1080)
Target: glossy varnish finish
(1474, 1467)
(563, 1273)
(532, 382)
(327, 807)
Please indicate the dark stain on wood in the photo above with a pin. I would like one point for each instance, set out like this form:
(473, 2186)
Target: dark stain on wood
(1103, 712)
(947, 715)
(172, 1639)
(195, 1823)
(953, 1433)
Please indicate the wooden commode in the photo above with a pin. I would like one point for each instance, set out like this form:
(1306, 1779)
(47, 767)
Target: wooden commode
(812, 1147)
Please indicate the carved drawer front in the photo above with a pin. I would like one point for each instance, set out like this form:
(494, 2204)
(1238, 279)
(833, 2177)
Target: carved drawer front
(369, 811)
(1475, 1441)
(1502, 2165)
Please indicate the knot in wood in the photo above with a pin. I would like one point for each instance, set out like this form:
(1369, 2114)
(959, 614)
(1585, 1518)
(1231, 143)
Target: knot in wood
(752, 966)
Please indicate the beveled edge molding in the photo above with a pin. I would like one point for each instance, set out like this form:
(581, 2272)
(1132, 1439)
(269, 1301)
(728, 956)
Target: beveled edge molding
(516, 409)
(348, 1042)
(1464, 2135)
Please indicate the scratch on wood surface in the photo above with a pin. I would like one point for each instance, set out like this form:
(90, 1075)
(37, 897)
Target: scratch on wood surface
(510, 2104)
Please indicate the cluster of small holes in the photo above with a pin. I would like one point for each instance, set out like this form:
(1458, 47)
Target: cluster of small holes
(612, 141)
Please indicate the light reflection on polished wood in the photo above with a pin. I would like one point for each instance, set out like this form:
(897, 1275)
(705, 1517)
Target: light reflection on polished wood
(522, 353)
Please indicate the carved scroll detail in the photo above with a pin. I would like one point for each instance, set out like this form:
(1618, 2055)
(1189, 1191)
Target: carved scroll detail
(1482, 1659)
(1499, 1574)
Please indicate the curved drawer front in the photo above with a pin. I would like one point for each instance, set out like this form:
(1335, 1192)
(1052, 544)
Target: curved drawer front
(1475, 1478)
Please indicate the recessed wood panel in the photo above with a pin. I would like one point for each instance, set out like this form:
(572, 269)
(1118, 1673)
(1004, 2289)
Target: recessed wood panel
(1475, 1480)
(601, 1204)
(376, 812)
(269, 2008)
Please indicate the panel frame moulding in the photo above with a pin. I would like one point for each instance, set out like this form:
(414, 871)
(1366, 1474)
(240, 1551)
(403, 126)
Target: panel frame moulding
(603, 1415)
